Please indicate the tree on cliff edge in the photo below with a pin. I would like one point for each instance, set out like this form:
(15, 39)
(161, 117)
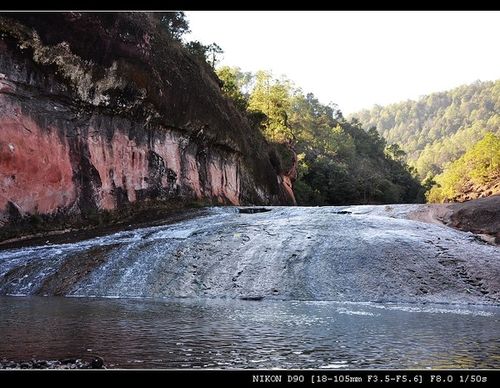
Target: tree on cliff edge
(175, 23)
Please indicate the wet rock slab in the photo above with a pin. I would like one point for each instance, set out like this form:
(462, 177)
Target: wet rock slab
(289, 253)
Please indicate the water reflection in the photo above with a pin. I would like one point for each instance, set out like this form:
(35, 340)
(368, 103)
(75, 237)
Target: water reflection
(146, 333)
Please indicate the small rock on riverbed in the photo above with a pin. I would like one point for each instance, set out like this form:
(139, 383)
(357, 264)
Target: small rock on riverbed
(69, 363)
(253, 210)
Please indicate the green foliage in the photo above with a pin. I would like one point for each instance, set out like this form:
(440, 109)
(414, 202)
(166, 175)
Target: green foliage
(234, 81)
(208, 53)
(214, 52)
(440, 127)
(338, 162)
(174, 23)
(478, 166)
(395, 152)
(197, 49)
(273, 98)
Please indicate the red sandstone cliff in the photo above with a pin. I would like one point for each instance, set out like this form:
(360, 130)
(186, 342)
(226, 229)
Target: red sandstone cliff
(102, 111)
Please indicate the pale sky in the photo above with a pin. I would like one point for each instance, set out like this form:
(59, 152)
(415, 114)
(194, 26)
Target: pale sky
(358, 59)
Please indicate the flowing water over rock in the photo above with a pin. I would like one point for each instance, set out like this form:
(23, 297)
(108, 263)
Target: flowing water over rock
(359, 253)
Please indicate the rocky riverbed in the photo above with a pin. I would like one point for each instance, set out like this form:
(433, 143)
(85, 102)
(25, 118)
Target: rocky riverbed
(68, 363)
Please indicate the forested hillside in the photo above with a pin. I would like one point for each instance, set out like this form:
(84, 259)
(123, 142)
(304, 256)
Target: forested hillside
(336, 161)
(475, 174)
(438, 128)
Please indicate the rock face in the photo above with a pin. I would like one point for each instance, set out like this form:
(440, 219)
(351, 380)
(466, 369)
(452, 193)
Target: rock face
(103, 111)
(480, 216)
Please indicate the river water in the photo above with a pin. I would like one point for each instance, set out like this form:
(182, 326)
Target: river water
(153, 333)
